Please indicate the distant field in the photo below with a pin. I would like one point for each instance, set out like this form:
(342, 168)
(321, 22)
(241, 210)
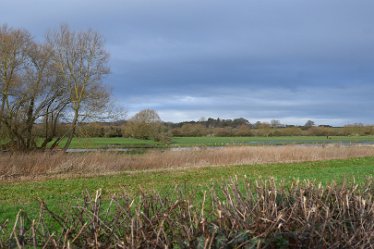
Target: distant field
(58, 192)
(216, 141)
(118, 142)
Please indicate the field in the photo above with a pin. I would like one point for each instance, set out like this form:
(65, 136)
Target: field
(119, 142)
(58, 192)
(147, 186)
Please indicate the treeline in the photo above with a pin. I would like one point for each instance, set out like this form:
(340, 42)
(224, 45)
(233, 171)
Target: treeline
(268, 131)
(242, 127)
(47, 88)
(151, 127)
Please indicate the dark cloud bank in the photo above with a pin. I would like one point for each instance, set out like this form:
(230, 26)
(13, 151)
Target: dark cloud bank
(288, 60)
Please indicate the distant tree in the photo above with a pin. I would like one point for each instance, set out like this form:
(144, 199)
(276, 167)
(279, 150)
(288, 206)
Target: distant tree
(202, 120)
(147, 116)
(244, 130)
(146, 124)
(309, 124)
(263, 129)
(240, 121)
(275, 123)
(257, 125)
(356, 129)
(193, 130)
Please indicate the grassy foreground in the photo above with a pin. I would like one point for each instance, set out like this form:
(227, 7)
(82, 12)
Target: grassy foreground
(102, 142)
(59, 192)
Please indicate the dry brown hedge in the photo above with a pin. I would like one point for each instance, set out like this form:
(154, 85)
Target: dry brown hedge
(239, 214)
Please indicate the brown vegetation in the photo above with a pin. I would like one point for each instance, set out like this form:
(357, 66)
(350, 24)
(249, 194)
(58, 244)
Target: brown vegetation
(146, 124)
(56, 164)
(258, 215)
(266, 130)
(232, 129)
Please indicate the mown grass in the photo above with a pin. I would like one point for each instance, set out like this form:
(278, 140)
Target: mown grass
(58, 192)
(102, 142)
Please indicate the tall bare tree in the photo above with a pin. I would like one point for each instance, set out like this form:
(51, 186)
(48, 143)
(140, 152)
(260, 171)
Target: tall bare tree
(41, 83)
(47, 96)
(82, 62)
(13, 58)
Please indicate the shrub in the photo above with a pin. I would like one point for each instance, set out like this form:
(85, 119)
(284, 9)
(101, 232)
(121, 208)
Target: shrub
(236, 215)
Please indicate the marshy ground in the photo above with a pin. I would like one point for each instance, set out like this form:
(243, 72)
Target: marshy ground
(47, 165)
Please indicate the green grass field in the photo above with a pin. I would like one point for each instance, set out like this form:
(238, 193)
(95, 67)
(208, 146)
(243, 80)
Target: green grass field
(58, 192)
(101, 142)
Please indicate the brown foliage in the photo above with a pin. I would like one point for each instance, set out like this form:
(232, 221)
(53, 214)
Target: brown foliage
(237, 215)
(57, 164)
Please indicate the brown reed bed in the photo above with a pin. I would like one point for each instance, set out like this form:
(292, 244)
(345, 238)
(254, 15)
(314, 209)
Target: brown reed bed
(238, 214)
(58, 164)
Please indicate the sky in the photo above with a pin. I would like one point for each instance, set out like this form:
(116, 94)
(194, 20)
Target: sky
(290, 60)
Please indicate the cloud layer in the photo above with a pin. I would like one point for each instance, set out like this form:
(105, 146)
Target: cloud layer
(290, 60)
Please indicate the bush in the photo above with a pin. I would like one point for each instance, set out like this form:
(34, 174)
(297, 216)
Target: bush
(237, 215)
(146, 125)
(164, 138)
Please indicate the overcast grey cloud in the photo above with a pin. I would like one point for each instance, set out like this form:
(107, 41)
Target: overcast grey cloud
(291, 60)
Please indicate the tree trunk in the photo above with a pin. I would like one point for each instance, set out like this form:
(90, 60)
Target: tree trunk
(30, 124)
(73, 128)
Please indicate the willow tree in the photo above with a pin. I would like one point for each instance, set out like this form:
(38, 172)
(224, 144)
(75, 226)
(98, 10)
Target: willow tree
(13, 57)
(47, 96)
(147, 124)
(29, 89)
(42, 82)
(82, 63)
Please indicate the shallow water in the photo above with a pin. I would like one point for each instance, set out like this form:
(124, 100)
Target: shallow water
(196, 148)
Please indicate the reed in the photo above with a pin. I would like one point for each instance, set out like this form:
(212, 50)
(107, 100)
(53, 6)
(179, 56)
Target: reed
(57, 164)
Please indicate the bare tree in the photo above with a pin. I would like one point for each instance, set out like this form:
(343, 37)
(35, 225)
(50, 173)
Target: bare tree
(48, 96)
(13, 58)
(82, 62)
(275, 123)
(309, 123)
(146, 124)
(42, 83)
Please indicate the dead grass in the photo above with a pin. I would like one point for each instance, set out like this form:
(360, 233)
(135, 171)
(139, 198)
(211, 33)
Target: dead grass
(38, 164)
